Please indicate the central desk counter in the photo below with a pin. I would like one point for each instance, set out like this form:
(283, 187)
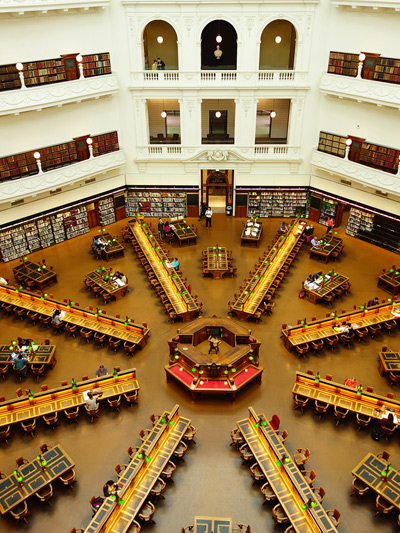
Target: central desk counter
(65, 397)
(389, 362)
(140, 475)
(74, 315)
(174, 287)
(286, 480)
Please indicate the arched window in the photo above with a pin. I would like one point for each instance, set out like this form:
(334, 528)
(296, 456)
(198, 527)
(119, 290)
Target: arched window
(160, 46)
(218, 46)
(278, 44)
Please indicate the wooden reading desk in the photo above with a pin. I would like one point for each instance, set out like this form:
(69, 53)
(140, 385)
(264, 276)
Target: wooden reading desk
(114, 248)
(323, 286)
(389, 362)
(370, 470)
(324, 328)
(174, 287)
(42, 355)
(102, 280)
(286, 480)
(65, 397)
(340, 395)
(217, 262)
(140, 475)
(323, 253)
(184, 233)
(390, 281)
(34, 476)
(251, 297)
(251, 234)
(211, 524)
(41, 276)
(112, 326)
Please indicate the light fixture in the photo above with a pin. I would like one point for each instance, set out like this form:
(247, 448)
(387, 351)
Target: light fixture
(89, 141)
(272, 114)
(361, 57)
(164, 114)
(218, 114)
(36, 155)
(349, 142)
(79, 58)
(19, 66)
(160, 39)
(218, 38)
(278, 39)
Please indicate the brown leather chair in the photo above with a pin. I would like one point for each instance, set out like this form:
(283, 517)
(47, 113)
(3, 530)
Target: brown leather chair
(20, 511)
(131, 397)
(359, 488)
(268, 492)
(300, 402)
(146, 512)
(86, 334)
(51, 420)
(114, 403)
(45, 494)
(114, 344)
(38, 371)
(72, 414)
(29, 426)
(5, 432)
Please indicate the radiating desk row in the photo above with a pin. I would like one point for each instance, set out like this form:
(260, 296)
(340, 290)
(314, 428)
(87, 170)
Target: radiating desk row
(137, 480)
(282, 473)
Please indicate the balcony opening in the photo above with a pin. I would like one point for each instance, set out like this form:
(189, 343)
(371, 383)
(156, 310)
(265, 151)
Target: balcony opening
(217, 121)
(278, 44)
(272, 121)
(160, 48)
(218, 46)
(164, 121)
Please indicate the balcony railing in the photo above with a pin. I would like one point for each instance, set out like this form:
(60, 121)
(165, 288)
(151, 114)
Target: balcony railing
(57, 94)
(219, 78)
(43, 6)
(371, 91)
(368, 5)
(350, 170)
(53, 179)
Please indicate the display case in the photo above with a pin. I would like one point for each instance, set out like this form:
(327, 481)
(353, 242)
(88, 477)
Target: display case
(106, 211)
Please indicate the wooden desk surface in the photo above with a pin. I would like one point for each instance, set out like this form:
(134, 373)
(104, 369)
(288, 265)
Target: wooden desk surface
(335, 281)
(253, 293)
(174, 287)
(217, 258)
(215, 322)
(98, 277)
(112, 326)
(65, 397)
(183, 231)
(43, 355)
(369, 471)
(35, 272)
(391, 277)
(212, 524)
(333, 393)
(112, 244)
(321, 329)
(329, 246)
(250, 237)
(389, 362)
(34, 478)
(141, 474)
(285, 478)
(227, 358)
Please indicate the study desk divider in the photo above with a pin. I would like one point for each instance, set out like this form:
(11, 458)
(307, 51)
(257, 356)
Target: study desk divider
(117, 514)
(304, 511)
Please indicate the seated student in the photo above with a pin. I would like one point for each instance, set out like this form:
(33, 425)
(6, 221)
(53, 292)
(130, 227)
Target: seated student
(375, 301)
(214, 344)
(3, 281)
(167, 228)
(56, 319)
(175, 263)
(123, 278)
(20, 362)
(349, 330)
(309, 230)
(95, 241)
(283, 228)
(110, 488)
(101, 371)
(91, 402)
(387, 422)
(315, 242)
(316, 275)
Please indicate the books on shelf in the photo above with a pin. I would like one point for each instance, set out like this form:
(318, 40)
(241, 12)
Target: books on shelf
(359, 221)
(343, 64)
(105, 143)
(387, 69)
(106, 211)
(32, 236)
(96, 65)
(328, 210)
(332, 144)
(76, 222)
(156, 203)
(380, 157)
(277, 203)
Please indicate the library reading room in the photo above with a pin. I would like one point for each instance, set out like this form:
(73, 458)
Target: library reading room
(199, 266)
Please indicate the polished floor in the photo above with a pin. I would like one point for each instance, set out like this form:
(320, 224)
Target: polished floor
(212, 481)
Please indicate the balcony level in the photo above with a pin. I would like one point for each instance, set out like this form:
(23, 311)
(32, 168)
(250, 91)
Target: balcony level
(262, 79)
(369, 91)
(349, 170)
(44, 7)
(57, 94)
(13, 190)
(374, 6)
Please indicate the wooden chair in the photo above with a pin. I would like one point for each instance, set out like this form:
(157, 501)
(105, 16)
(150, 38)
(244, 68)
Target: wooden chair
(256, 473)
(300, 402)
(45, 494)
(321, 408)
(189, 434)
(72, 414)
(58, 328)
(375, 330)
(114, 403)
(317, 345)
(3, 370)
(71, 329)
(143, 434)
(389, 326)
(20, 511)
(268, 492)
(45, 321)
(282, 434)
(319, 494)
(302, 349)
(384, 456)
(132, 451)
(157, 489)
(99, 338)
(279, 515)
(129, 348)
(131, 397)
(51, 420)
(38, 371)
(21, 461)
(246, 453)
(86, 334)
(5, 432)
(168, 471)
(309, 476)
(331, 342)
(146, 512)
(180, 450)
(362, 421)
(237, 437)
(301, 456)
(393, 378)
(29, 426)
(334, 515)
(119, 469)
(154, 418)
(387, 432)
(93, 413)
(340, 414)
(114, 344)
(347, 340)
(359, 488)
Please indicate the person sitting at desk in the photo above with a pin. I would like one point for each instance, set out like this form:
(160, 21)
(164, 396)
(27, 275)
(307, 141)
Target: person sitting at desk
(283, 228)
(375, 301)
(175, 263)
(3, 281)
(315, 243)
(349, 331)
(91, 402)
(387, 422)
(110, 488)
(56, 318)
(101, 371)
(167, 228)
(20, 362)
(214, 344)
(95, 242)
(316, 276)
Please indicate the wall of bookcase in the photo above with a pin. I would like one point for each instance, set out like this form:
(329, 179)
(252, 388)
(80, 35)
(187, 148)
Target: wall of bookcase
(157, 203)
(359, 221)
(343, 64)
(380, 157)
(328, 210)
(375, 228)
(387, 69)
(105, 143)
(277, 203)
(46, 71)
(106, 211)
(332, 144)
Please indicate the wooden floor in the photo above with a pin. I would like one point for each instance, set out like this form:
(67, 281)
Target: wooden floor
(212, 481)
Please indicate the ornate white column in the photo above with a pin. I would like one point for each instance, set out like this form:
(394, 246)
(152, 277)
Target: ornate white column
(245, 120)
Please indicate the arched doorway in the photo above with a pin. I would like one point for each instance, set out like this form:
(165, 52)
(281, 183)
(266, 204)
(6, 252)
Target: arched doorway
(218, 46)
(160, 41)
(219, 189)
(278, 45)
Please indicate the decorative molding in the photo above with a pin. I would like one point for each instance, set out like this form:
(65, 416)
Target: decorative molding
(57, 94)
(373, 92)
(367, 176)
(52, 179)
(375, 6)
(43, 6)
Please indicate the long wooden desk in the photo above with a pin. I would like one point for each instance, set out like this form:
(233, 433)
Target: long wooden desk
(389, 362)
(212, 524)
(286, 480)
(40, 275)
(141, 474)
(65, 397)
(35, 476)
(184, 233)
(174, 287)
(322, 287)
(250, 236)
(251, 297)
(324, 328)
(217, 262)
(390, 281)
(114, 248)
(114, 327)
(324, 252)
(42, 355)
(369, 471)
(337, 394)
(100, 279)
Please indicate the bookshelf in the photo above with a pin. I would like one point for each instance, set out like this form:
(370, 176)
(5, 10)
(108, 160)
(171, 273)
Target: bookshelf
(343, 64)
(359, 220)
(156, 203)
(96, 65)
(380, 157)
(105, 143)
(9, 78)
(18, 165)
(13, 244)
(387, 69)
(106, 211)
(57, 223)
(43, 72)
(375, 228)
(32, 236)
(45, 232)
(277, 203)
(58, 155)
(328, 210)
(332, 144)
(76, 222)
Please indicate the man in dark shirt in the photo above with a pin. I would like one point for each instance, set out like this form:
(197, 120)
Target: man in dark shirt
(375, 301)
(20, 362)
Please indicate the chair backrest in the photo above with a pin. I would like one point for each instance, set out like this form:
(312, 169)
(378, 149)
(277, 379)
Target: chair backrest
(390, 395)
(275, 422)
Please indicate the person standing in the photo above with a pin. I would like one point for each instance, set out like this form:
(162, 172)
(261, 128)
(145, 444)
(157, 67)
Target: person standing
(161, 229)
(154, 65)
(160, 64)
(330, 225)
(208, 214)
(203, 209)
